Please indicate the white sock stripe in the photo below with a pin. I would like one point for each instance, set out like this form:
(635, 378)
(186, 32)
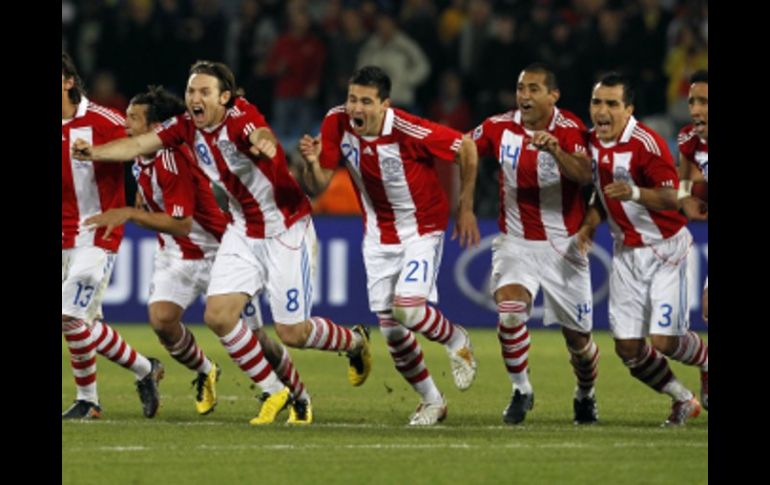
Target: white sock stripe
(91, 369)
(235, 335)
(511, 307)
(183, 342)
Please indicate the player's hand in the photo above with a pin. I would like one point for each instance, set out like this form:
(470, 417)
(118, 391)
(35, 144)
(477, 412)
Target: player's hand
(584, 239)
(467, 229)
(310, 148)
(82, 150)
(109, 220)
(545, 141)
(695, 209)
(264, 148)
(618, 191)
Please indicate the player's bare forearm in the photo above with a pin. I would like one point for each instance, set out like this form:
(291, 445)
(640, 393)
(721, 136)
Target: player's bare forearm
(466, 226)
(660, 198)
(315, 178)
(121, 150)
(162, 222)
(574, 166)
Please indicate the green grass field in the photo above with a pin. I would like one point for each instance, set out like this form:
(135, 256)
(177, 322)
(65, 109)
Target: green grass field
(360, 434)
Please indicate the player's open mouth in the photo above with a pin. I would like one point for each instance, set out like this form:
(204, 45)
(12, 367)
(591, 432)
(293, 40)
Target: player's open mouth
(526, 106)
(197, 113)
(359, 122)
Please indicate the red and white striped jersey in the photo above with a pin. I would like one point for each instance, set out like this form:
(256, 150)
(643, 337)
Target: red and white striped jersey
(640, 157)
(694, 148)
(536, 201)
(89, 188)
(264, 198)
(171, 182)
(393, 173)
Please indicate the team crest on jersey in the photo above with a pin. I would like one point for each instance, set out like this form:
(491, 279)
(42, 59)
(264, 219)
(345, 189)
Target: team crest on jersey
(227, 148)
(136, 170)
(546, 165)
(391, 168)
(478, 132)
(621, 174)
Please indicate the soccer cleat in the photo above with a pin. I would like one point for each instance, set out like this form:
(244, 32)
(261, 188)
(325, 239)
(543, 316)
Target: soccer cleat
(147, 387)
(681, 411)
(272, 404)
(704, 389)
(462, 362)
(300, 412)
(428, 414)
(360, 361)
(206, 389)
(517, 409)
(82, 409)
(585, 410)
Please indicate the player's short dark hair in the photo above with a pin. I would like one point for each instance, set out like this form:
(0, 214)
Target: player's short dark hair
(373, 76)
(161, 104)
(540, 68)
(223, 74)
(612, 79)
(700, 76)
(69, 71)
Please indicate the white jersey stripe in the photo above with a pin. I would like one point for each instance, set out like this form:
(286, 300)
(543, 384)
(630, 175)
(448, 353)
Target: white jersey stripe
(636, 213)
(86, 190)
(111, 116)
(510, 153)
(647, 139)
(397, 190)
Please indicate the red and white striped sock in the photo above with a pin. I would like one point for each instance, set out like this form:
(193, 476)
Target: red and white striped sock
(430, 322)
(187, 352)
(244, 348)
(409, 359)
(288, 374)
(514, 342)
(584, 364)
(82, 349)
(653, 370)
(692, 350)
(327, 335)
(111, 345)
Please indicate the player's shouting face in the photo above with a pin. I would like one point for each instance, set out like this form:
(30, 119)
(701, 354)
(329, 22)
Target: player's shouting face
(698, 100)
(609, 113)
(535, 100)
(366, 109)
(205, 101)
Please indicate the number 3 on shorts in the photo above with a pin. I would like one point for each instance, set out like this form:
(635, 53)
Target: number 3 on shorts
(666, 316)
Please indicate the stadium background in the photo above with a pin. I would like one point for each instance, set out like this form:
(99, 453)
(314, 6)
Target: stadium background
(472, 51)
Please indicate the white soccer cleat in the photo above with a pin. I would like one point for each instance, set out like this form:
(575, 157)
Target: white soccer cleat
(462, 362)
(428, 414)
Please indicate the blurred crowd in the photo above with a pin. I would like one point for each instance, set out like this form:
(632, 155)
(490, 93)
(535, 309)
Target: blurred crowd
(453, 61)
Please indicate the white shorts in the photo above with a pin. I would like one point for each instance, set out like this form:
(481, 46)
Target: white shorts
(648, 289)
(85, 275)
(407, 269)
(557, 266)
(178, 280)
(282, 265)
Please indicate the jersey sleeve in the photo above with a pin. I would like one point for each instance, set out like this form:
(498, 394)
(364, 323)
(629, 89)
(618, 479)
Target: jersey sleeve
(331, 135)
(659, 171)
(442, 142)
(574, 140)
(482, 136)
(175, 180)
(173, 131)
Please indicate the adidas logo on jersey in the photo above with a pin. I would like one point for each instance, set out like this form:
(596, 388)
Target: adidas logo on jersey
(368, 151)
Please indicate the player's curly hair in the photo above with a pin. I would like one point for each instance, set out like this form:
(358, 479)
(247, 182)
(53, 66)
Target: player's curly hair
(161, 104)
(69, 71)
(223, 74)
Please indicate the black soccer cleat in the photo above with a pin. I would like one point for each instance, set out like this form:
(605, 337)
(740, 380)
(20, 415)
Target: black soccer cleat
(585, 410)
(82, 409)
(147, 387)
(517, 409)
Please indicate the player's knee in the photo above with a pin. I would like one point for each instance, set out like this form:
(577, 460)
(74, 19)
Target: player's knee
(390, 328)
(408, 316)
(666, 344)
(512, 314)
(293, 335)
(163, 316)
(218, 319)
(629, 351)
(576, 341)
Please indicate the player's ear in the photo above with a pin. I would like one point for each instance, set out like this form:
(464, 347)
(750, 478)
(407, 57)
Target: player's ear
(224, 98)
(556, 94)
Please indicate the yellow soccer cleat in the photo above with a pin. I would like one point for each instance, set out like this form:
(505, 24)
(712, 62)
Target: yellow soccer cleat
(206, 389)
(300, 412)
(272, 404)
(360, 361)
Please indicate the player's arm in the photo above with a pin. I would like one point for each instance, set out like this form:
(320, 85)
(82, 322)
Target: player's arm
(156, 221)
(314, 177)
(595, 214)
(694, 208)
(118, 150)
(466, 226)
(654, 198)
(575, 166)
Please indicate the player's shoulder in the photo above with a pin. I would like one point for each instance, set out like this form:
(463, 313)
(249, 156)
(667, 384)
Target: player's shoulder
(413, 126)
(648, 140)
(336, 112)
(686, 135)
(567, 120)
(104, 115)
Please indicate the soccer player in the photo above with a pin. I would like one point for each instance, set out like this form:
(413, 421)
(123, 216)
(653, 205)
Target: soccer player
(635, 177)
(543, 161)
(694, 153)
(88, 255)
(390, 155)
(271, 243)
(183, 210)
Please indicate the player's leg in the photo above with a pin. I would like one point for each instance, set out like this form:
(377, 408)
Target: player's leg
(290, 262)
(235, 276)
(415, 286)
